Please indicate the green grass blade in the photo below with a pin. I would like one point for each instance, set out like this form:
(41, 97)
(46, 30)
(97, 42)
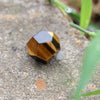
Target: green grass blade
(58, 3)
(86, 10)
(92, 93)
(62, 10)
(91, 59)
(84, 31)
(75, 16)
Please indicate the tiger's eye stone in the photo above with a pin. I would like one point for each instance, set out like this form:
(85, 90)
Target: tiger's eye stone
(43, 46)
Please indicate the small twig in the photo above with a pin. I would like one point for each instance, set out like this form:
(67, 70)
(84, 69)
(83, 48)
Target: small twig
(85, 32)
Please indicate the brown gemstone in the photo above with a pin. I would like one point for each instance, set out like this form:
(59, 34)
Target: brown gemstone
(43, 46)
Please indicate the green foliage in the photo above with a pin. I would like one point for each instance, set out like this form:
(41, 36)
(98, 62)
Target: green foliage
(91, 59)
(61, 6)
(86, 10)
(92, 93)
(92, 54)
(75, 16)
(58, 3)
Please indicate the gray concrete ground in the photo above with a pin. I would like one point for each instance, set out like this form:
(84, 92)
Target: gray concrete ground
(21, 77)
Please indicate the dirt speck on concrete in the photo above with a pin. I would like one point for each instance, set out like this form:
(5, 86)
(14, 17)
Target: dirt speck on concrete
(40, 84)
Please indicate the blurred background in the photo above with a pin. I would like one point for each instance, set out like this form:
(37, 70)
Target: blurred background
(76, 4)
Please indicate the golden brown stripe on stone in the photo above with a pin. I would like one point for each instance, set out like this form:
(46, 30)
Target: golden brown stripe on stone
(43, 52)
(55, 40)
(32, 46)
(54, 36)
(56, 44)
(50, 47)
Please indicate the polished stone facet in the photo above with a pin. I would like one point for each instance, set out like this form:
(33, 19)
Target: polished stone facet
(43, 45)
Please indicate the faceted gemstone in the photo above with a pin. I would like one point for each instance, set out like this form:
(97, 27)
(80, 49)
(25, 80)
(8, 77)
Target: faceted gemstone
(43, 46)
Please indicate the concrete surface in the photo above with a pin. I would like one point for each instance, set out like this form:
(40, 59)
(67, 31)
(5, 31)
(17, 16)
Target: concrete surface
(19, 21)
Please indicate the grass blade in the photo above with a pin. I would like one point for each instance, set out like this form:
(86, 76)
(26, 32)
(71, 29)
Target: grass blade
(91, 59)
(84, 31)
(75, 16)
(60, 5)
(92, 93)
(86, 10)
